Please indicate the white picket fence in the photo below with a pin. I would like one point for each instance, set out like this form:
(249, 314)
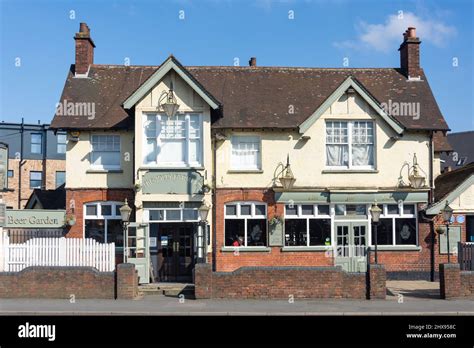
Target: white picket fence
(58, 252)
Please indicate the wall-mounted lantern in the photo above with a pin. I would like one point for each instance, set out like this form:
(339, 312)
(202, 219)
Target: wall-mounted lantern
(168, 102)
(414, 175)
(287, 179)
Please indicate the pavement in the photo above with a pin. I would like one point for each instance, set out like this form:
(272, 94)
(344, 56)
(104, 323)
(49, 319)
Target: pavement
(403, 298)
(163, 305)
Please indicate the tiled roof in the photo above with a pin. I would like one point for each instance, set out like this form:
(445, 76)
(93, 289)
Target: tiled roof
(449, 181)
(251, 97)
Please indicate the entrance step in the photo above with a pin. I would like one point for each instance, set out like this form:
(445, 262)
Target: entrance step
(168, 289)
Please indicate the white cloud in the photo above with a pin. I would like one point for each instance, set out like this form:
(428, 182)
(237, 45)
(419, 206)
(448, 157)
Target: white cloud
(384, 37)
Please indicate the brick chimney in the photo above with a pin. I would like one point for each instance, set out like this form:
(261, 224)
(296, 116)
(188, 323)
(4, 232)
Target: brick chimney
(410, 54)
(253, 61)
(84, 49)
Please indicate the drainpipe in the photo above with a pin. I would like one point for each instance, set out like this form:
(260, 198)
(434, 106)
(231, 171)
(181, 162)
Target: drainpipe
(431, 201)
(20, 164)
(214, 208)
(45, 148)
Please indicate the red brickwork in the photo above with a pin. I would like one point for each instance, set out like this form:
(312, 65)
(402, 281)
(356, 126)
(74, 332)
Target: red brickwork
(64, 282)
(127, 281)
(57, 282)
(449, 280)
(279, 282)
(78, 197)
(230, 261)
(467, 283)
(377, 282)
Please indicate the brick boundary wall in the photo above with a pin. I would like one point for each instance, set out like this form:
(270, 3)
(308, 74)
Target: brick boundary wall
(467, 283)
(127, 281)
(377, 282)
(282, 282)
(455, 283)
(58, 282)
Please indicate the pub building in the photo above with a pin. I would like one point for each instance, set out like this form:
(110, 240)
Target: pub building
(253, 166)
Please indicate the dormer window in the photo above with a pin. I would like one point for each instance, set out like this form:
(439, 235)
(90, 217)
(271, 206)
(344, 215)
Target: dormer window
(350, 145)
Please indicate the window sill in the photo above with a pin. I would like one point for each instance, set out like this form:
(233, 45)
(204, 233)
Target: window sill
(306, 248)
(396, 248)
(99, 171)
(345, 171)
(245, 171)
(245, 249)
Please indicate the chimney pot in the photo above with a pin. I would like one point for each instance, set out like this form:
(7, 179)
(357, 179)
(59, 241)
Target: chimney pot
(411, 32)
(83, 28)
(253, 61)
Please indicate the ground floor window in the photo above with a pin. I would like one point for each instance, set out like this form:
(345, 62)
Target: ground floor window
(103, 223)
(245, 224)
(307, 225)
(397, 225)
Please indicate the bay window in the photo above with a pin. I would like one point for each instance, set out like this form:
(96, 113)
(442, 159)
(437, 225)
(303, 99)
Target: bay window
(245, 153)
(173, 142)
(307, 225)
(350, 144)
(105, 152)
(245, 224)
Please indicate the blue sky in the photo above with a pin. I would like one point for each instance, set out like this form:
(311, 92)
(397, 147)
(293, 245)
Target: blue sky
(37, 46)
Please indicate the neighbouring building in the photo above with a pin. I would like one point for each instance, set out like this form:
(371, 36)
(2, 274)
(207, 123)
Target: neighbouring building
(462, 151)
(289, 161)
(456, 188)
(36, 160)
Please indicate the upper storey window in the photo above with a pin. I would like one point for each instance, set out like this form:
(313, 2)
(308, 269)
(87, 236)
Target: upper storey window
(350, 144)
(245, 153)
(173, 142)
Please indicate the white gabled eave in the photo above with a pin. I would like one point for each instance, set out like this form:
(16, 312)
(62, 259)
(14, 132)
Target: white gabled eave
(349, 82)
(157, 76)
(436, 208)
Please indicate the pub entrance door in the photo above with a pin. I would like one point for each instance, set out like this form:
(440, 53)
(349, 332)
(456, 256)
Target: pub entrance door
(174, 253)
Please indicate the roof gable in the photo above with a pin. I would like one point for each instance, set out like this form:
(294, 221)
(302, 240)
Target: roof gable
(348, 83)
(438, 206)
(170, 64)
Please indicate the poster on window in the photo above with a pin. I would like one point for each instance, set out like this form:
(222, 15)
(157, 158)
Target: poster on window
(164, 241)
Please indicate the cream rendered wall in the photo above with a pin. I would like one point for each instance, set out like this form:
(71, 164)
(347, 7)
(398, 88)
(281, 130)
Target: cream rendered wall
(465, 202)
(436, 165)
(308, 157)
(79, 173)
(189, 101)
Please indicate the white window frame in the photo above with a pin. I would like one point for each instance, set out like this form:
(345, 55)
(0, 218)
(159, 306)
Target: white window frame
(99, 216)
(350, 126)
(315, 216)
(394, 217)
(186, 163)
(233, 163)
(106, 167)
(146, 215)
(252, 216)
